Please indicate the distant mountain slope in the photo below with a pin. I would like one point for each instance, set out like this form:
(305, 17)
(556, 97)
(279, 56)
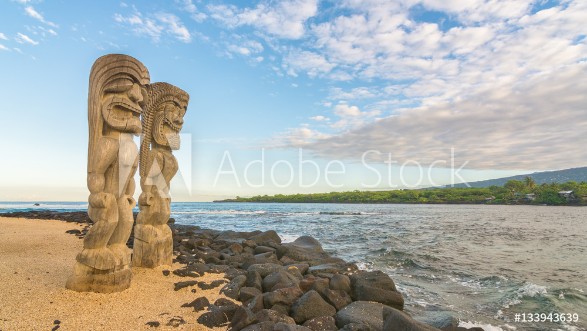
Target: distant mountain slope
(558, 176)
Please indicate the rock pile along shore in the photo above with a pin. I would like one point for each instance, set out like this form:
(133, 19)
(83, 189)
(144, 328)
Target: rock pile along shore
(275, 285)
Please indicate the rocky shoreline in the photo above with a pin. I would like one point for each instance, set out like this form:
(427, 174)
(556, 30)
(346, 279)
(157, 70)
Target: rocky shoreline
(275, 285)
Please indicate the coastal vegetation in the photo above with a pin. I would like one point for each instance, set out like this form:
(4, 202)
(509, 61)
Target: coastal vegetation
(513, 192)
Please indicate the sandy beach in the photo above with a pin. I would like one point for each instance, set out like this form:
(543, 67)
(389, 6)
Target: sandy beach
(36, 258)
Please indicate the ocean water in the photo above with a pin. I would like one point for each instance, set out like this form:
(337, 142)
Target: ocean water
(479, 264)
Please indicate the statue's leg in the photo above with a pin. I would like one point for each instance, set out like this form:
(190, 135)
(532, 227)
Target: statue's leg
(117, 242)
(153, 244)
(102, 208)
(127, 166)
(166, 246)
(103, 211)
(97, 268)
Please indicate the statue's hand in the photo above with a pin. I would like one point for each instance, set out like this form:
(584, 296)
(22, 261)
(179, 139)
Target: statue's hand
(146, 199)
(102, 206)
(98, 200)
(131, 201)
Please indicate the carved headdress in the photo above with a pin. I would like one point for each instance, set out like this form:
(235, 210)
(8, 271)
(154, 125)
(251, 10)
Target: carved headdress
(161, 98)
(109, 73)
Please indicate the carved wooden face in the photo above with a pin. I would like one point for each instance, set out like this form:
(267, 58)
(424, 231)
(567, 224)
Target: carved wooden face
(168, 123)
(122, 104)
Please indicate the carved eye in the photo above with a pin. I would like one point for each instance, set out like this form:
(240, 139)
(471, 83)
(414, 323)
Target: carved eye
(120, 85)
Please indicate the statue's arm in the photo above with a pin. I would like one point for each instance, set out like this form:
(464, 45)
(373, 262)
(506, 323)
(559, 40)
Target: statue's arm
(102, 158)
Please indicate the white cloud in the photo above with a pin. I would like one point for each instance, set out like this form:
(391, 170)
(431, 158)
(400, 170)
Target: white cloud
(33, 13)
(30, 11)
(24, 39)
(284, 19)
(190, 7)
(41, 31)
(344, 110)
(297, 137)
(505, 86)
(225, 14)
(312, 63)
(351, 117)
(461, 40)
(537, 124)
(3, 36)
(245, 47)
(320, 118)
(337, 93)
(175, 26)
(4, 48)
(155, 26)
(142, 26)
(476, 11)
(239, 50)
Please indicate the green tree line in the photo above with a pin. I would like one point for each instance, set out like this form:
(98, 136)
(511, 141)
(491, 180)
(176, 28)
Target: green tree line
(513, 192)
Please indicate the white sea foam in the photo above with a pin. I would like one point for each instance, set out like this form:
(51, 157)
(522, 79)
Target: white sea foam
(512, 302)
(287, 238)
(486, 327)
(531, 290)
(422, 303)
(31, 205)
(222, 212)
(527, 290)
(365, 266)
(474, 284)
(567, 327)
(499, 314)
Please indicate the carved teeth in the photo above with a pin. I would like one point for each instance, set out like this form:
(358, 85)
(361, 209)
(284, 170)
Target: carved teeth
(128, 106)
(174, 127)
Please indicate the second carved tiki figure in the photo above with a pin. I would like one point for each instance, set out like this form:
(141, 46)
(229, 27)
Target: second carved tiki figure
(162, 120)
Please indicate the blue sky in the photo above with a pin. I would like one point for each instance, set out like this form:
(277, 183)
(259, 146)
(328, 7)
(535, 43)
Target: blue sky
(351, 84)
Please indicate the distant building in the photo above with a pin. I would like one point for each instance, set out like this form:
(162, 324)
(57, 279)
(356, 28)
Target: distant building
(568, 195)
(530, 197)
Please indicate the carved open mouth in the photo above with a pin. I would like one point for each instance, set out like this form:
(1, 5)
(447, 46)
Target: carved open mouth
(169, 123)
(122, 114)
(126, 105)
(166, 131)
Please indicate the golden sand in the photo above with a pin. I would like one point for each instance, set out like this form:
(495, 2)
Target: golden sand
(37, 257)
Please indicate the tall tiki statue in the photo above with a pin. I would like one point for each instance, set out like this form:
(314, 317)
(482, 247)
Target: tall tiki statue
(116, 99)
(162, 121)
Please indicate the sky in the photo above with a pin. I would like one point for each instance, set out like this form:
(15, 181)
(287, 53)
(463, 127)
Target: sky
(304, 95)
